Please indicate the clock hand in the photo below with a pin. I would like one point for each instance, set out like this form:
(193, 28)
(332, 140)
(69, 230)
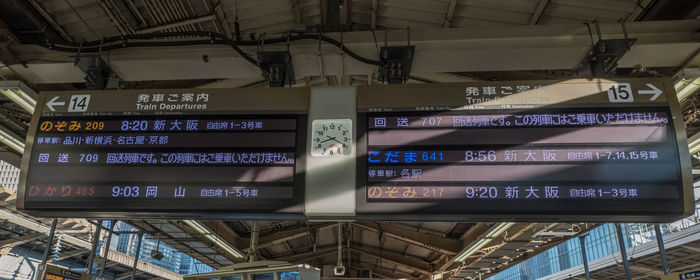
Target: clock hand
(329, 139)
(338, 141)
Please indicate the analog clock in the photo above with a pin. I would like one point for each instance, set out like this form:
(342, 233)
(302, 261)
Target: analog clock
(331, 137)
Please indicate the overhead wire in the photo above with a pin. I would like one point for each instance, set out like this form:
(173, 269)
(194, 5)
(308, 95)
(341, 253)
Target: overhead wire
(124, 41)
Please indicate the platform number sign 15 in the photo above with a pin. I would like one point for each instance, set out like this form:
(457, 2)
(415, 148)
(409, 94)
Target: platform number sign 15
(79, 103)
(620, 92)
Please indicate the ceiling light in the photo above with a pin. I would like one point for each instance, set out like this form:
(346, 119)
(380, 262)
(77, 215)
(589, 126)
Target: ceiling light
(11, 140)
(685, 88)
(694, 143)
(215, 238)
(20, 94)
(492, 233)
(498, 229)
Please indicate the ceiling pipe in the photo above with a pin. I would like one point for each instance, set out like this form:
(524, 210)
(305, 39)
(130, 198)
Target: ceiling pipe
(254, 234)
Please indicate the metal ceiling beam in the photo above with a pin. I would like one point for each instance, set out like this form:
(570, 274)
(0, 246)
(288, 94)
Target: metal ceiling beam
(227, 233)
(73, 253)
(526, 255)
(12, 242)
(176, 24)
(41, 228)
(686, 267)
(671, 9)
(310, 255)
(7, 38)
(14, 118)
(450, 13)
(689, 248)
(286, 235)
(387, 272)
(10, 157)
(50, 20)
(126, 274)
(497, 48)
(183, 246)
(296, 11)
(124, 30)
(346, 15)
(396, 258)
(221, 19)
(134, 10)
(112, 255)
(198, 237)
(496, 242)
(430, 242)
(647, 271)
(373, 17)
(469, 237)
(402, 254)
(502, 241)
(639, 9)
(473, 232)
(541, 6)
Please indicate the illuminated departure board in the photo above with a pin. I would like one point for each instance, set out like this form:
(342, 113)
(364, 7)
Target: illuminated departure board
(235, 153)
(529, 150)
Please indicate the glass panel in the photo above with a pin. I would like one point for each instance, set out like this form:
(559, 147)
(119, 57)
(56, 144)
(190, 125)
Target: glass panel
(290, 275)
(237, 277)
(264, 276)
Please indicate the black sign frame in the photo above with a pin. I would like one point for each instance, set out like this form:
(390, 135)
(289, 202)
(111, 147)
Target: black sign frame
(249, 210)
(454, 210)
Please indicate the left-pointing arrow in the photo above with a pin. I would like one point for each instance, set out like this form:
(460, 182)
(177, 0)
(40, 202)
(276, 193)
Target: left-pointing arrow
(54, 102)
(653, 90)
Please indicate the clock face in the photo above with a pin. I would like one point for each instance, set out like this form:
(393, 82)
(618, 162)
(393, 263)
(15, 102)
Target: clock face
(331, 137)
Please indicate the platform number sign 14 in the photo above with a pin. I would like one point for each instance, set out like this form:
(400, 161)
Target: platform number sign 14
(620, 92)
(79, 103)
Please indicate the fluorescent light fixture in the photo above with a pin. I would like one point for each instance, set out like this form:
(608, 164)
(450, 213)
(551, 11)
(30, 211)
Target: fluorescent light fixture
(11, 140)
(498, 229)
(213, 237)
(20, 94)
(556, 233)
(694, 143)
(24, 97)
(490, 235)
(685, 88)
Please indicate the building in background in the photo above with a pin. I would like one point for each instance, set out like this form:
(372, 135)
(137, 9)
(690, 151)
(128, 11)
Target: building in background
(600, 242)
(9, 176)
(190, 265)
(172, 260)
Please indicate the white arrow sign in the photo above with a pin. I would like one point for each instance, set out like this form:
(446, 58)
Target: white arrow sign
(653, 90)
(53, 102)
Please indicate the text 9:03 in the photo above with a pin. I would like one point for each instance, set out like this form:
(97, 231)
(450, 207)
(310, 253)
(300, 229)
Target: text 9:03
(125, 191)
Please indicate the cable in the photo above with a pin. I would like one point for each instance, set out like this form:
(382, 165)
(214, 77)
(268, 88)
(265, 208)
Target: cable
(94, 46)
(214, 38)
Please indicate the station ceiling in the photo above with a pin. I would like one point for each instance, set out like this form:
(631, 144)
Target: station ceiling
(413, 250)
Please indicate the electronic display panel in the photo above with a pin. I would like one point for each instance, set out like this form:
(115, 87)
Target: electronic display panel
(58, 273)
(234, 153)
(595, 150)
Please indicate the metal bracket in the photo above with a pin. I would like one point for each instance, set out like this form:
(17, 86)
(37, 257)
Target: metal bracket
(277, 68)
(98, 75)
(396, 63)
(332, 12)
(602, 59)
